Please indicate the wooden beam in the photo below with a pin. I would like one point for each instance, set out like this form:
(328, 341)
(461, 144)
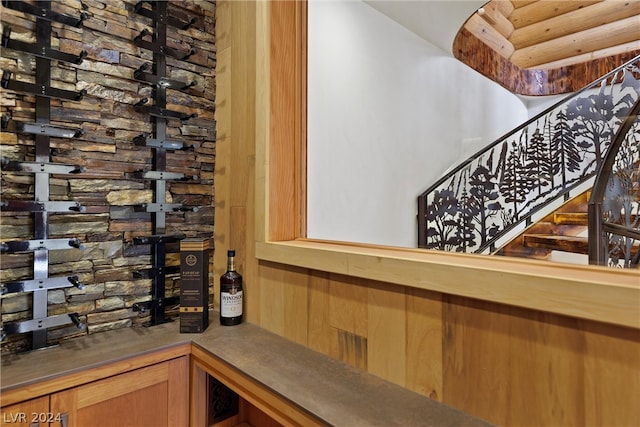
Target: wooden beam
(594, 16)
(493, 14)
(537, 11)
(632, 48)
(504, 6)
(619, 32)
(517, 4)
(489, 35)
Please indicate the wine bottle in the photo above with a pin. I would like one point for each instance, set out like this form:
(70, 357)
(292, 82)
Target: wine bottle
(231, 293)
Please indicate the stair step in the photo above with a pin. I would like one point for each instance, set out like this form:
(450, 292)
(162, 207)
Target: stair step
(522, 251)
(570, 218)
(575, 244)
(577, 218)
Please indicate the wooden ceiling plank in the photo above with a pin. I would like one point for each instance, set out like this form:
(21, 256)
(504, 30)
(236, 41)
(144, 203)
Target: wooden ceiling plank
(604, 36)
(491, 12)
(517, 4)
(575, 21)
(504, 6)
(489, 35)
(542, 10)
(633, 47)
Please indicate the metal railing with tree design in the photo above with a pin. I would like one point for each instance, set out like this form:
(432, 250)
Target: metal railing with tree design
(499, 191)
(614, 206)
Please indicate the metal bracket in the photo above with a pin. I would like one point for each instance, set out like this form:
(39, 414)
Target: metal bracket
(35, 167)
(160, 175)
(38, 284)
(34, 245)
(158, 239)
(160, 48)
(33, 206)
(170, 20)
(143, 140)
(148, 273)
(42, 52)
(142, 74)
(140, 107)
(164, 207)
(40, 90)
(45, 14)
(158, 207)
(40, 128)
(154, 304)
(42, 323)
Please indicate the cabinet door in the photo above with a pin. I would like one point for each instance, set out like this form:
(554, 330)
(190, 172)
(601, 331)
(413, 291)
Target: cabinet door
(31, 413)
(156, 396)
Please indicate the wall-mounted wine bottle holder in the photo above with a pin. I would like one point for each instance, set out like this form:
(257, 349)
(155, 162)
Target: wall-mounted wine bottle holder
(40, 244)
(155, 74)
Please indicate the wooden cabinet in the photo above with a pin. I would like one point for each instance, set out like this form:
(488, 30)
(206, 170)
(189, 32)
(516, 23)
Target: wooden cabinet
(156, 395)
(27, 414)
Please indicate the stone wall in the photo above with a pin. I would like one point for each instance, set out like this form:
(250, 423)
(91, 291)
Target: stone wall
(107, 188)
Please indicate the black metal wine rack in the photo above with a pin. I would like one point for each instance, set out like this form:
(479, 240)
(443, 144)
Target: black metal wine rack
(42, 168)
(156, 75)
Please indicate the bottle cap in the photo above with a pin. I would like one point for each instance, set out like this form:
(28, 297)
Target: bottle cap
(231, 252)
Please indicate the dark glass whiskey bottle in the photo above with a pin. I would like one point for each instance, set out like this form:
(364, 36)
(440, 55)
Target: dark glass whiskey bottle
(231, 293)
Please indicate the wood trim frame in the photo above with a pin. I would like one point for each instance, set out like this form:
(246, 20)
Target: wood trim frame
(588, 292)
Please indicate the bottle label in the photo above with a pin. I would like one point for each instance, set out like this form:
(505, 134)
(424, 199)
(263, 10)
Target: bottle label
(231, 304)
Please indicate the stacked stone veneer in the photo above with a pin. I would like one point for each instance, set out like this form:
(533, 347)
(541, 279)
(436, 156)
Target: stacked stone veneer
(107, 189)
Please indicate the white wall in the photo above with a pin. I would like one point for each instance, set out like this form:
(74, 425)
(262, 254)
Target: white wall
(388, 113)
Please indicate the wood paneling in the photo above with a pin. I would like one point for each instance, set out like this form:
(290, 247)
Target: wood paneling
(295, 295)
(319, 323)
(348, 305)
(235, 147)
(424, 342)
(271, 304)
(540, 368)
(350, 348)
(387, 332)
(611, 375)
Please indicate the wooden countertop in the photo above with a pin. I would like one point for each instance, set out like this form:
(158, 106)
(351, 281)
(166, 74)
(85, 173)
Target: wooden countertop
(328, 389)
(90, 352)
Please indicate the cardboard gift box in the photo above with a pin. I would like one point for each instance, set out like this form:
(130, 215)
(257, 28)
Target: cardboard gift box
(194, 284)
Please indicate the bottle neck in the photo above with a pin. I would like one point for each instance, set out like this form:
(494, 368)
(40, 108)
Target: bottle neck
(231, 266)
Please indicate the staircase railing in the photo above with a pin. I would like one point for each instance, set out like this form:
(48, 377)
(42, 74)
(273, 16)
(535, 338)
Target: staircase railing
(614, 205)
(494, 195)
